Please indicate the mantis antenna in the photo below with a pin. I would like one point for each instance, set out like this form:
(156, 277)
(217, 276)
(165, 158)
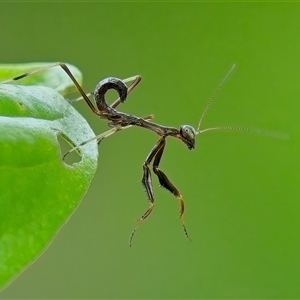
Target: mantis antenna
(211, 100)
(275, 134)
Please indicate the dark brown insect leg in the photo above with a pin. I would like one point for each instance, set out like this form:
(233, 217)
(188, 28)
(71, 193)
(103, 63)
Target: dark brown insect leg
(167, 184)
(147, 184)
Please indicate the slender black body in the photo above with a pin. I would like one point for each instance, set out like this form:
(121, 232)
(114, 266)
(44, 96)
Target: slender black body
(116, 118)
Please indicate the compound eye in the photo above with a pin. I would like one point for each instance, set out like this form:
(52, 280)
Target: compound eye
(188, 132)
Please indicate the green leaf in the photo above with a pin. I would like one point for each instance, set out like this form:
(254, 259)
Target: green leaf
(38, 191)
(54, 77)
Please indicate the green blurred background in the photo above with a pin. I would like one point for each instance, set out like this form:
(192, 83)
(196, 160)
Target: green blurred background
(241, 190)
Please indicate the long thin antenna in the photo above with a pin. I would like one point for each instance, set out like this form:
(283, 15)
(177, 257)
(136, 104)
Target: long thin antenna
(213, 96)
(275, 134)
